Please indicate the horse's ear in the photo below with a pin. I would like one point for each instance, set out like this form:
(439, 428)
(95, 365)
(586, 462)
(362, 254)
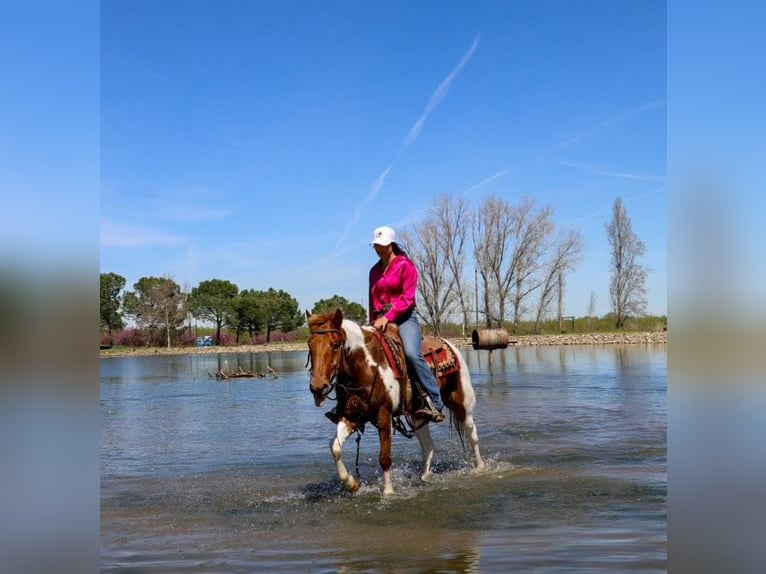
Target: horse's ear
(308, 315)
(337, 318)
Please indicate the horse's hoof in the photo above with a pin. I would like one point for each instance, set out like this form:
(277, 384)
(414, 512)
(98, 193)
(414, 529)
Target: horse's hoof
(352, 486)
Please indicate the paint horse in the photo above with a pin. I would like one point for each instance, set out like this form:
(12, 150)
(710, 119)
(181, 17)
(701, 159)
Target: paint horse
(352, 361)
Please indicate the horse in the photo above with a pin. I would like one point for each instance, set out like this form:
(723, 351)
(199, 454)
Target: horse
(352, 360)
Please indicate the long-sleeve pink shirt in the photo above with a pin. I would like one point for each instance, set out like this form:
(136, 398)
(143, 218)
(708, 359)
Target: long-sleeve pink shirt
(396, 286)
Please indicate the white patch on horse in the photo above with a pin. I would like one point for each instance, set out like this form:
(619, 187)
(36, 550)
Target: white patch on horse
(392, 386)
(354, 335)
(469, 397)
(355, 340)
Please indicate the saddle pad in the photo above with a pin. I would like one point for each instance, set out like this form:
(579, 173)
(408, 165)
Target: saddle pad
(431, 343)
(392, 351)
(437, 354)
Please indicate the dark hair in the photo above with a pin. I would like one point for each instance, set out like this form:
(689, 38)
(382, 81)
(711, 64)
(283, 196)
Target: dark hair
(398, 250)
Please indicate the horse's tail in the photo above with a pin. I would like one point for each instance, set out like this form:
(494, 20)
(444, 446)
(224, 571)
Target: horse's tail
(459, 414)
(458, 424)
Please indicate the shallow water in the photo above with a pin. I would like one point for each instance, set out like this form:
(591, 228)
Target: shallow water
(199, 475)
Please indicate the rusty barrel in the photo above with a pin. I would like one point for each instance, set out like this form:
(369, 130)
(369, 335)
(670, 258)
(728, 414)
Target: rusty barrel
(489, 339)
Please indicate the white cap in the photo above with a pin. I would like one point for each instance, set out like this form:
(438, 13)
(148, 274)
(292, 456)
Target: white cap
(383, 236)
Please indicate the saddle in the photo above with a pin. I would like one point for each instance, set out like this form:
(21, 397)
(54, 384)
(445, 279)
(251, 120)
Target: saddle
(439, 356)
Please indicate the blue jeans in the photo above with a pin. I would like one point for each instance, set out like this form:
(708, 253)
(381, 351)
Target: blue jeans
(412, 339)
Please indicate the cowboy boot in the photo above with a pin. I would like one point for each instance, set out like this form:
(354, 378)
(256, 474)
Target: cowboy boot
(429, 411)
(332, 414)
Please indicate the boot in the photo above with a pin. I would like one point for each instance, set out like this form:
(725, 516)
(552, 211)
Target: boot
(429, 411)
(332, 414)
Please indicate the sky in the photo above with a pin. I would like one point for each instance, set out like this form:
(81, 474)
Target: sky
(262, 143)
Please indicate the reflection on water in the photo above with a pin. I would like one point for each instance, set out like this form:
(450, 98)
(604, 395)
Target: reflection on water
(207, 476)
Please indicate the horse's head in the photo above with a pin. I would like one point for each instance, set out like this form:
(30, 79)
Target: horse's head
(325, 352)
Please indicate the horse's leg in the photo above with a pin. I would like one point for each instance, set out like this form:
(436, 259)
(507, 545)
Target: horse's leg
(343, 431)
(467, 398)
(473, 439)
(384, 434)
(427, 449)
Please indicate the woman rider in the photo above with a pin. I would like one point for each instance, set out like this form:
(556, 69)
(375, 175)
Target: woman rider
(393, 288)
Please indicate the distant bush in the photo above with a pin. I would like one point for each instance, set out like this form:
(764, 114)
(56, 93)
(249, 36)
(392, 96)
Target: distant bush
(226, 339)
(130, 338)
(187, 339)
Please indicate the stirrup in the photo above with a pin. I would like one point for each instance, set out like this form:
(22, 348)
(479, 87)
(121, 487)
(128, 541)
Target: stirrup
(332, 414)
(433, 414)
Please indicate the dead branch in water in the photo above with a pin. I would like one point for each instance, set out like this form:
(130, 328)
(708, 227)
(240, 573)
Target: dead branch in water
(222, 375)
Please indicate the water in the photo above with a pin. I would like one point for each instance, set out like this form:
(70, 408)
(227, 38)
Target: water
(199, 475)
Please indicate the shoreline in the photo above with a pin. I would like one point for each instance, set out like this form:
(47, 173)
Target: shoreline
(628, 338)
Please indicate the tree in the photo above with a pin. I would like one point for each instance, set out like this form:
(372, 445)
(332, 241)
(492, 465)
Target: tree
(510, 242)
(592, 300)
(111, 286)
(351, 310)
(592, 307)
(491, 230)
(280, 312)
(453, 218)
(531, 233)
(248, 314)
(627, 287)
(566, 254)
(436, 285)
(212, 301)
(156, 304)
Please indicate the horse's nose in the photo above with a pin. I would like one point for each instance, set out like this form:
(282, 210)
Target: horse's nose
(316, 388)
(319, 394)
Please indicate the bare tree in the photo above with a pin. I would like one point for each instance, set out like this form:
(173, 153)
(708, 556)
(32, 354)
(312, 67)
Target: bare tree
(509, 243)
(566, 254)
(453, 218)
(592, 307)
(627, 288)
(491, 231)
(592, 304)
(436, 285)
(531, 234)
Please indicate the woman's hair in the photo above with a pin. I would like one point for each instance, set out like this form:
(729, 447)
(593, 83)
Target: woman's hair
(398, 250)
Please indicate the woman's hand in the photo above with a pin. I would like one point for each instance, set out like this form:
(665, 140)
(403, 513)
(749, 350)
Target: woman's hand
(380, 323)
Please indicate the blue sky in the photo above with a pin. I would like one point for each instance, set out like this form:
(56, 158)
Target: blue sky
(262, 142)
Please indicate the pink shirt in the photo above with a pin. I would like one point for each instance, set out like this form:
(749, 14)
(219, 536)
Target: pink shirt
(396, 287)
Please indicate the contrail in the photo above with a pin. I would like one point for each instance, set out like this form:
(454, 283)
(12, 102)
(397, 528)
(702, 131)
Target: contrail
(586, 167)
(605, 209)
(412, 135)
(438, 95)
(485, 181)
(372, 194)
(615, 120)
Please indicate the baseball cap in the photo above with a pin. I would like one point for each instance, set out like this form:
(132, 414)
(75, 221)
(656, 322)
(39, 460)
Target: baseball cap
(383, 236)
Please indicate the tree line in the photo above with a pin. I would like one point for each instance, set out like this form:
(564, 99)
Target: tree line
(161, 310)
(520, 260)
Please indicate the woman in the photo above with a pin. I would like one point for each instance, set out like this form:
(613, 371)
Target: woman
(393, 287)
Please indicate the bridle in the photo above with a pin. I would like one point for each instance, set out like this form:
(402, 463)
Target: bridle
(334, 374)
